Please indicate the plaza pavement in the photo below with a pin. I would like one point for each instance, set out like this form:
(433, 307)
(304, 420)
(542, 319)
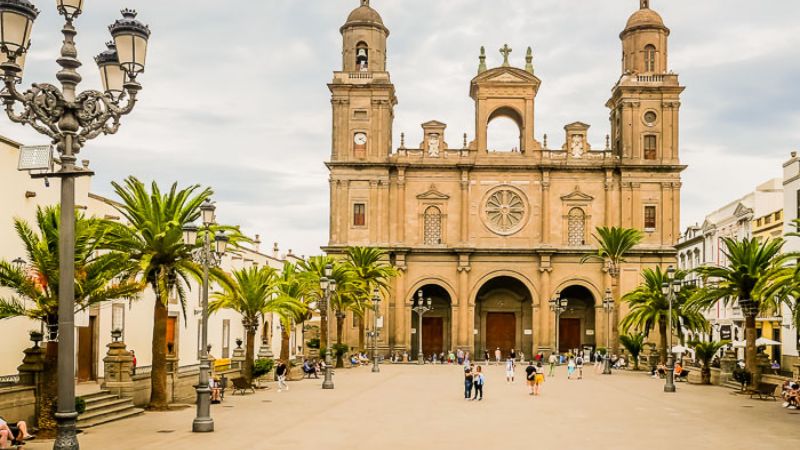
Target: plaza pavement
(411, 407)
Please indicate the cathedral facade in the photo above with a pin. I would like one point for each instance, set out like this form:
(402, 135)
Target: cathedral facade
(492, 236)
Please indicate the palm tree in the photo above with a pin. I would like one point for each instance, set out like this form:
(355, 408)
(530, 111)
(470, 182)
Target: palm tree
(154, 244)
(649, 308)
(749, 264)
(36, 287)
(705, 351)
(290, 303)
(634, 343)
(613, 245)
(312, 270)
(249, 292)
(369, 266)
(782, 282)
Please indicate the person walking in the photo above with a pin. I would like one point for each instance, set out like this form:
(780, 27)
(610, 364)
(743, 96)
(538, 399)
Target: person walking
(497, 355)
(538, 379)
(513, 354)
(460, 356)
(509, 370)
(468, 379)
(579, 366)
(570, 367)
(552, 362)
(281, 372)
(478, 381)
(530, 377)
(486, 356)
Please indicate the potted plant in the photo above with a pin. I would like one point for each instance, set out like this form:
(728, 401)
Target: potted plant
(705, 352)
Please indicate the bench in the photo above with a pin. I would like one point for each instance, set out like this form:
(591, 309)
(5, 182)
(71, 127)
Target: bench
(764, 391)
(241, 385)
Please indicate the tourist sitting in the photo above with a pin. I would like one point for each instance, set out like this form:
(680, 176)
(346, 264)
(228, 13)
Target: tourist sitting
(776, 367)
(660, 371)
(16, 432)
(678, 369)
(216, 390)
(791, 394)
(363, 359)
(309, 369)
(354, 360)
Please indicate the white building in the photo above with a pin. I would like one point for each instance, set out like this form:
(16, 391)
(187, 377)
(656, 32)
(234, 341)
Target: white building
(702, 244)
(791, 212)
(21, 195)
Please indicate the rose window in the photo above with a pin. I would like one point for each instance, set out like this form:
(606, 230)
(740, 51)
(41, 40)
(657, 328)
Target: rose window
(505, 211)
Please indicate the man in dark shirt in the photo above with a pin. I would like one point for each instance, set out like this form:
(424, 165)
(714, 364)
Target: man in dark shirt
(530, 376)
(281, 371)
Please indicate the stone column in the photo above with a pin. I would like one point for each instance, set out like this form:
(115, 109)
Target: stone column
(545, 207)
(32, 365)
(544, 333)
(465, 337)
(726, 364)
(117, 363)
(464, 207)
(238, 356)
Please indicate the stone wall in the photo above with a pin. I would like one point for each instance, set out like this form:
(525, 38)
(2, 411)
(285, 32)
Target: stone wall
(180, 385)
(18, 403)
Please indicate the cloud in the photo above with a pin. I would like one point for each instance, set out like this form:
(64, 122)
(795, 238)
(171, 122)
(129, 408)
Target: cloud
(236, 97)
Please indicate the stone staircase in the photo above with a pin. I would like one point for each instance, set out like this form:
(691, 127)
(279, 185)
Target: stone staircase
(103, 407)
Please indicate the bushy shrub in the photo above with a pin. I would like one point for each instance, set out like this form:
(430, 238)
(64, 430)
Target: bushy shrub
(262, 367)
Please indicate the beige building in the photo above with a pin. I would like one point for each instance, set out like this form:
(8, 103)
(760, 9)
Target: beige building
(21, 195)
(491, 235)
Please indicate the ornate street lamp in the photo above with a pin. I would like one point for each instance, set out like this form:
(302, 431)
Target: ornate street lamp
(558, 305)
(608, 306)
(69, 119)
(421, 307)
(376, 308)
(670, 290)
(208, 257)
(18, 263)
(327, 286)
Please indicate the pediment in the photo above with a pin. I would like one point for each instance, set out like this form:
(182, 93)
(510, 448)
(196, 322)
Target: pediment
(506, 75)
(577, 126)
(708, 225)
(742, 210)
(577, 196)
(434, 124)
(433, 194)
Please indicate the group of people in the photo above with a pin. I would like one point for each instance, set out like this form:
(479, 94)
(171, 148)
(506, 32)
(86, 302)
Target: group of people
(474, 380)
(13, 433)
(790, 393)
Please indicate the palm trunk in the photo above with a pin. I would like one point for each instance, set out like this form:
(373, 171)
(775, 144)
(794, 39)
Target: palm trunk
(750, 346)
(285, 345)
(158, 374)
(361, 330)
(662, 331)
(635, 361)
(323, 333)
(48, 386)
(249, 352)
(706, 373)
(339, 336)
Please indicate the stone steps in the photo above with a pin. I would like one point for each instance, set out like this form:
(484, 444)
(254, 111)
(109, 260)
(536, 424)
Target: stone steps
(103, 407)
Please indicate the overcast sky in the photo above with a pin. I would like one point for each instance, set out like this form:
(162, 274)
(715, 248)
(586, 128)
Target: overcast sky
(235, 93)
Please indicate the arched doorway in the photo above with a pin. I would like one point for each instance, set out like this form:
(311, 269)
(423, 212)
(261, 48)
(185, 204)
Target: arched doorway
(503, 317)
(576, 328)
(504, 131)
(436, 324)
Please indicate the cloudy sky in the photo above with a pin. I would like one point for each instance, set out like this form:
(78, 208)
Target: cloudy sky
(235, 92)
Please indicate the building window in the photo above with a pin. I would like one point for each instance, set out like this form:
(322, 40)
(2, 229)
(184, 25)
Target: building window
(576, 227)
(650, 149)
(359, 214)
(767, 220)
(650, 58)
(433, 226)
(778, 215)
(650, 217)
(226, 338)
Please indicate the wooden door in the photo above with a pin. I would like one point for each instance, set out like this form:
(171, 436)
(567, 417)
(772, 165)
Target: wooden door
(171, 326)
(86, 370)
(432, 335)
(569, 334)
(501, 331)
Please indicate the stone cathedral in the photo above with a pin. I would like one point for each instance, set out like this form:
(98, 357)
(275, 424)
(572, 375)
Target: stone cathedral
(492, 235)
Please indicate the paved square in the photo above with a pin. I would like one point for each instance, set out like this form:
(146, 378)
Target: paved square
(407, 407)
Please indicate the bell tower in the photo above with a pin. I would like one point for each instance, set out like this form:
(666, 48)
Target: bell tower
(362, 94)
(645, 102)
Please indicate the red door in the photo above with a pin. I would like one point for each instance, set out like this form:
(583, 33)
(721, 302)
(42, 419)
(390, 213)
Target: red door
(86, 369)
(569, 334)
(432, 335)
(501, 331)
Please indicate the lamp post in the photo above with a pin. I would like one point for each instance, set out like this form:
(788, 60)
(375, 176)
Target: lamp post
(670, 290)
(328, 286)
(376, 305)
(558, 305)
(69, 119)
(608, 306)
(207, 257)
(421, 307)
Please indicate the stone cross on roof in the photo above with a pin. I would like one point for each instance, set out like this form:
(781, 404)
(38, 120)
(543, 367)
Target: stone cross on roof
(643, 4)
(505, 51)
(364, 2)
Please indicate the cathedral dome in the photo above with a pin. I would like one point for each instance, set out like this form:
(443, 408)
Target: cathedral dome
(364, 15)
(645, 18)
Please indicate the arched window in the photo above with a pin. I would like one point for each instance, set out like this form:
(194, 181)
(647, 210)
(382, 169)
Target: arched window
(362, 57)
(576, 227)
(433, 226)
(504, 131)
(650, 58)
